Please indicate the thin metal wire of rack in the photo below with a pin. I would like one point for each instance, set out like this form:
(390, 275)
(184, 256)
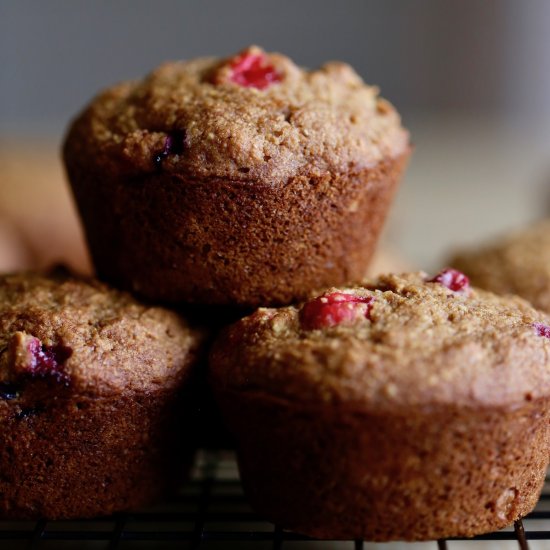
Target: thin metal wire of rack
(210, 511)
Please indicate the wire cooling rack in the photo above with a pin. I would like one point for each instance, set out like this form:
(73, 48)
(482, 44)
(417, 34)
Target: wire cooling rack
(210, 511)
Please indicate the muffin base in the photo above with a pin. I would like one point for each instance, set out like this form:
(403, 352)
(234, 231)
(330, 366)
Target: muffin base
(337, 473)
(86, 457)
(174, 239)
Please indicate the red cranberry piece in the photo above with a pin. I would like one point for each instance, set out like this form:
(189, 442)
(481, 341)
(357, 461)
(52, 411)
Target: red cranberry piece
(252, 69)
(335, 309)
(542, 330)
(452, 279)
(48, 360)
(174, 144)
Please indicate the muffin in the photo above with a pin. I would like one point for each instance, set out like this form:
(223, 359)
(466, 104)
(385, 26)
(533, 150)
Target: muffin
(244, 181)
(518, 263)
(92, 398)
(405, 408)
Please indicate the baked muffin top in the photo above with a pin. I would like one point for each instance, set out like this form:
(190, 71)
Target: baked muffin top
(518, 264)
(79, 333)
(397, 341)
(254, 116)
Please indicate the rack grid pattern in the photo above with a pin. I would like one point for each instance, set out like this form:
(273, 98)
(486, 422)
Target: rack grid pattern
(210, 511)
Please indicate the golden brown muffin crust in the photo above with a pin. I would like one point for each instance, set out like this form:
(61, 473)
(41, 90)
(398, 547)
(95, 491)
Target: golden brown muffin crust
(112, 343)
(423, 345)
(312, 122)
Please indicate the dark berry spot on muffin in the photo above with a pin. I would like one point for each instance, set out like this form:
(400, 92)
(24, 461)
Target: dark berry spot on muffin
(490, 506)
(335, 309)
(47, 360)
(542, 330)
(26, 412)
(8, 391)
(174, 144)
(452, 279)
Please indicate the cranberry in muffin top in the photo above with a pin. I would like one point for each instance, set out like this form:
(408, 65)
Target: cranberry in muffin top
(254, 115)
(400, 340)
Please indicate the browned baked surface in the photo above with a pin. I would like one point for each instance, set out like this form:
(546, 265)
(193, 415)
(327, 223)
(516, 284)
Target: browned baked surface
(518, 263)
(423, 414)
(194, 188)
(92, 397)
(309, 123)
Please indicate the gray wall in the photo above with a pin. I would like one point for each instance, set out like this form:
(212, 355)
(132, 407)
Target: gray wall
(427, 55)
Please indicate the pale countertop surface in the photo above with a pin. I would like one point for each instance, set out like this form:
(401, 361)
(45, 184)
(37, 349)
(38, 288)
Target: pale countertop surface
(469, 179)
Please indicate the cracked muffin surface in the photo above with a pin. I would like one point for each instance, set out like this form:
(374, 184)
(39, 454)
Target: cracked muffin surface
(111, 342)
(419, 343)
(306, 122)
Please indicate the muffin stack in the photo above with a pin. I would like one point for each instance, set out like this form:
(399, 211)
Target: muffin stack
(243, 182)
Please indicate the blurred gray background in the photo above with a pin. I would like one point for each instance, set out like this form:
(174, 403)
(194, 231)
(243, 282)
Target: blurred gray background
(471, 78)
(427, 55)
